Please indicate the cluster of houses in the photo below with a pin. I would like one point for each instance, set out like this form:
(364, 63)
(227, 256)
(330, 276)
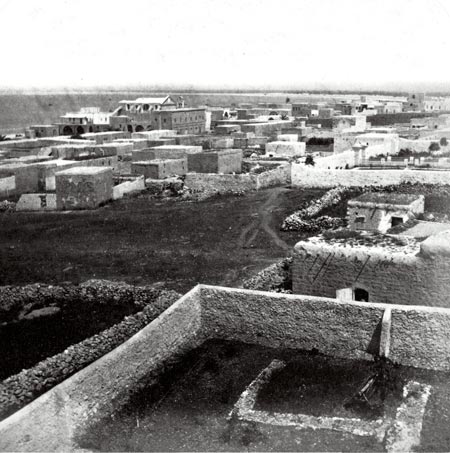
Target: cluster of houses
(153, 138)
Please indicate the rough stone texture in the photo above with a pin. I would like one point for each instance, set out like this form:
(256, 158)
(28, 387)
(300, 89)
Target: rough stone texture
(37, 202)
(224, 161)
(404, 434)
(302, 322)
(20, 389)
(276, 277)
(47, 170)
(104, 385)
(212, 183)
(304, 176)
(159, 186)
(286, 148)
(419, 337)
(83, 187)
(278, 176)
(344, 329)
(376, 215)
(128, 187)
(390, 276)
(160, 169)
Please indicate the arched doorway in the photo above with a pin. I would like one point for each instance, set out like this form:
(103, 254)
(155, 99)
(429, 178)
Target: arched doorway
(139, 128)
(80, 130)
(91, 129)
(130, 128)
(67, 130)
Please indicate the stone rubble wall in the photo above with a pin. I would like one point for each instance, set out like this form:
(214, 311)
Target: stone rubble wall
(210, 184)
(105, 384)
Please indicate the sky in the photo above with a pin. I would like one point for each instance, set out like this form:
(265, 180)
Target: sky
(276, 44)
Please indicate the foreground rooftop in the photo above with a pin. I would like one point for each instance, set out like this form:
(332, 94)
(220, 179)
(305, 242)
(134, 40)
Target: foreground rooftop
(411, 336)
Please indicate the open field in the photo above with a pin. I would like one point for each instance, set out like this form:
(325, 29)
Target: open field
(145, 240)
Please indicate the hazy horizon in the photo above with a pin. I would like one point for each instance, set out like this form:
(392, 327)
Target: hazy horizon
(431, 90)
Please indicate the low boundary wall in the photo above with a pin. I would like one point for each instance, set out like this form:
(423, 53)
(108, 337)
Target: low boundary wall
(51, 422)
(217, 183)
(409, 335)
(302, 176)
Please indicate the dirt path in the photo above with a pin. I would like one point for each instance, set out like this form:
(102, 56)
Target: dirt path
(262, 222)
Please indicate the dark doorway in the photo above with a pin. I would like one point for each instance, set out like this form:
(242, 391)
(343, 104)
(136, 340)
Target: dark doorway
(130, 128)
(80, 130)
(139, 128)
(361, 295)
(67, 130)
(396, 221)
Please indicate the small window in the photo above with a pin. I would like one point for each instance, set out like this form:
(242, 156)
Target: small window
(360, 219)
(396, 221)
(361, 295)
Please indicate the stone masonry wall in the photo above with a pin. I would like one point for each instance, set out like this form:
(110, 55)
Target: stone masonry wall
(391, 278)
(229, 161)
(280, 175)
(159, 169)
(321, 178)
(83, 189)
(215, 183)
(419, 335)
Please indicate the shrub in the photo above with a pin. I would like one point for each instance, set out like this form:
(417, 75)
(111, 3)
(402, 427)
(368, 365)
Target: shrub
(434, 146)
(443, 141)
(310, 160)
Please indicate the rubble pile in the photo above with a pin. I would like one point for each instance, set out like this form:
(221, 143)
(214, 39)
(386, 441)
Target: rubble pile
(20, 389)
(7, 206)
(169, 187)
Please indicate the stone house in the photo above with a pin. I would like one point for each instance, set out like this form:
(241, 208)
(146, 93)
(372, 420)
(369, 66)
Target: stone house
(382, 211)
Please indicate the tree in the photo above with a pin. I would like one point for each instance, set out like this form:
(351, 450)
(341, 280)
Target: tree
(288, 100)
(309, 160)
(443, 141)
(434, 146)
